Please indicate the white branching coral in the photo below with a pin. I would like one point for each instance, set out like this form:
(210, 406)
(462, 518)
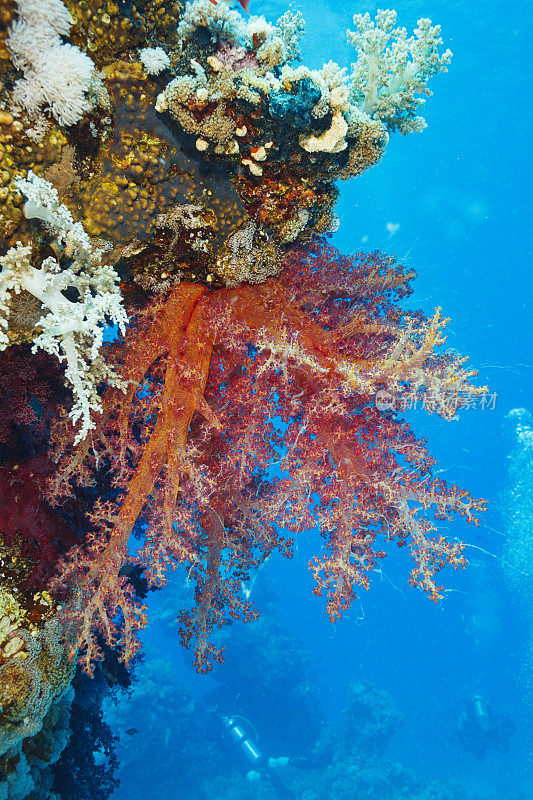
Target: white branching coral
(333, 85)
(70, 329)
(290, 28)
(57, 76)
(154, 60)
(389, 79)
(283, 45)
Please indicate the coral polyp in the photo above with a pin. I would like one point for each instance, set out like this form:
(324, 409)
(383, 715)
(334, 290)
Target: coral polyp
(175, 178)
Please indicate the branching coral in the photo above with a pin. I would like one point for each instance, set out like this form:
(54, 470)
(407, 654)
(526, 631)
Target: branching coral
(33, 537)
(389, 79)
(31, 389)
(71, 330)
(221, 21)
(233, 361)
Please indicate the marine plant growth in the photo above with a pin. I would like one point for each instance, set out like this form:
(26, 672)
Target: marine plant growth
(184, 191)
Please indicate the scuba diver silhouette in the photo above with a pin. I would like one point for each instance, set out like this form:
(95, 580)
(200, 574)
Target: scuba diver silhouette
(479, 729)
(262, 768)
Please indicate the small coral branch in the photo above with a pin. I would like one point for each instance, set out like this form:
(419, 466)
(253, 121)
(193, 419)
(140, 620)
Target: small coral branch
(102, 601)
(189, 350)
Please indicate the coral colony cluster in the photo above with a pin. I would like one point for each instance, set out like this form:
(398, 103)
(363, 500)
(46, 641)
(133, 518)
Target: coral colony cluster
(173, 322)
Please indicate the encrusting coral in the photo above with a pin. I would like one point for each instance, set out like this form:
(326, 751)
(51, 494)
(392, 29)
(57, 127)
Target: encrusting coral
(35, 699)
(198, 162)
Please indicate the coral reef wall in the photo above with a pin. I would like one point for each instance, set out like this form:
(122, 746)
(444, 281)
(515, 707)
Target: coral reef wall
(167, 292)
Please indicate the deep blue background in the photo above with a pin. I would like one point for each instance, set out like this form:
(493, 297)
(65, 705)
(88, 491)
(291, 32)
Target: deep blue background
(452, 203)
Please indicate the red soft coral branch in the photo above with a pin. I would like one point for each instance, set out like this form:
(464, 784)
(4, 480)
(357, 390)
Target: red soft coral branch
(192, 442)
(100, 597)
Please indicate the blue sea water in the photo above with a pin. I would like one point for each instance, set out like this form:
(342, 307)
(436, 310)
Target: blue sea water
(454, 204)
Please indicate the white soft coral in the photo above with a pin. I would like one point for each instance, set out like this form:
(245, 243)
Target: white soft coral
(71, 330)
(154, 60)
(57, 76)
(389, 78)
